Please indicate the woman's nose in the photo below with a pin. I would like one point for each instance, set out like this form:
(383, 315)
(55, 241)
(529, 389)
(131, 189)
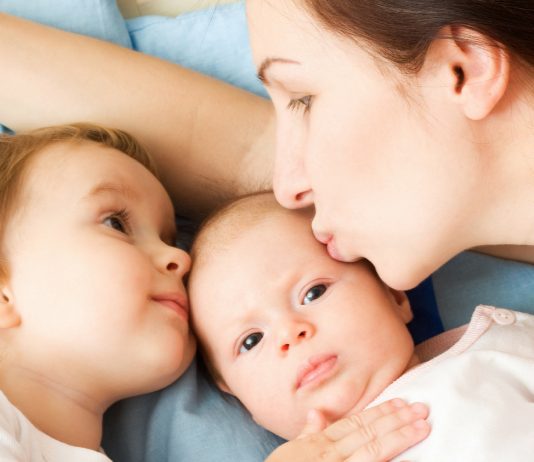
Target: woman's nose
(290, 183)
(292, 333)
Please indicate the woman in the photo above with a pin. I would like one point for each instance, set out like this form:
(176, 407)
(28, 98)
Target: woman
(407, 124)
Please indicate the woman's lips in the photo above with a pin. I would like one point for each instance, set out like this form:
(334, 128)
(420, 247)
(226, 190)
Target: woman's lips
(316, 370)
(328, 240)
(332, 250)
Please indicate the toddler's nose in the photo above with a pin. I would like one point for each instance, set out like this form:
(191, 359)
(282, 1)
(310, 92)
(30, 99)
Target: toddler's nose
(178, 262)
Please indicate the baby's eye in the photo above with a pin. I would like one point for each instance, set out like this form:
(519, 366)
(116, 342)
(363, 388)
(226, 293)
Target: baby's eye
(250, 342)
(118, 221)
(314, 293)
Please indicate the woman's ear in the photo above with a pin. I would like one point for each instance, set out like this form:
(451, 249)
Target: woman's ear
(8, 315)
(402, 304)
(477, 69)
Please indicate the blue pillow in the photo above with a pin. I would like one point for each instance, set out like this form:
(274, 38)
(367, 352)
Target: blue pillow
(213, 41)
(188, 421)
(98, 18)
(472, 278)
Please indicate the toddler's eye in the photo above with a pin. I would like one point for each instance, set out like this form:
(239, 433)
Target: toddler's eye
(118, 221)
(250, 342)
(314, 293)
(301, 103)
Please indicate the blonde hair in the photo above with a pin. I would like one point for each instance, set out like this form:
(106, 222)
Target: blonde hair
(17, 151)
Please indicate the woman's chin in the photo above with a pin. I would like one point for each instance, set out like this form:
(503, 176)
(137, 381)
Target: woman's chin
(401, 277)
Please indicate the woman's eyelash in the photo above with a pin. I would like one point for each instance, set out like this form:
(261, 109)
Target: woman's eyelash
(119, 220)
(300, 103)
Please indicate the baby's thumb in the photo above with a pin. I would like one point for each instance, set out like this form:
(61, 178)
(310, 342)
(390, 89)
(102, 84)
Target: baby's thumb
(315, 422)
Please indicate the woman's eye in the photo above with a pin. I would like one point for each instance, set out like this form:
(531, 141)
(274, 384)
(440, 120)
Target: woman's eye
(300, 103)
(314, 293)
(250, 342)
(118, 221)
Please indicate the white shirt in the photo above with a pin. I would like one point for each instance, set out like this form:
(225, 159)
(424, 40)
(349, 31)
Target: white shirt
(20, 441)
(480, 391)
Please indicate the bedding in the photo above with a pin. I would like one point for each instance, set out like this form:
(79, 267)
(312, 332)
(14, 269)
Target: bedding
(191, 420)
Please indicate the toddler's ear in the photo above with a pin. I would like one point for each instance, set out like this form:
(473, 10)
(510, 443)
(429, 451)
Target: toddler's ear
(8, 315)
(403, 304)
(221, 385)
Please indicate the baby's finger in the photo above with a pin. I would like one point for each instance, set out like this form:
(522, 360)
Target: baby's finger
(315, 422)
(374, 432)
(349, 425)
(391, 445)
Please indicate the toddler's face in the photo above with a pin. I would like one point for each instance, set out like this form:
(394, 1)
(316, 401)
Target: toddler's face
(94, 275)
(290, 329)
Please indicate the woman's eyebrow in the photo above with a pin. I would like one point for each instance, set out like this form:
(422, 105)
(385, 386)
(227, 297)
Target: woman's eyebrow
(266, 63)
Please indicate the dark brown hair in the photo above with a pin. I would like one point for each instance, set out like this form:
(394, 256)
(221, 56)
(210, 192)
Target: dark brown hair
(17, 151)
(402, 30)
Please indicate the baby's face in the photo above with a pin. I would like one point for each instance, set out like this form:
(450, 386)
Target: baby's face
(94, 276)
(290, 329)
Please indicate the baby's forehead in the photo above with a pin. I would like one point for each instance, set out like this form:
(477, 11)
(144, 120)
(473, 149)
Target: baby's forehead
(272, 229)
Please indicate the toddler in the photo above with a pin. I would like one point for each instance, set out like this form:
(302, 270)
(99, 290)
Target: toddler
(286, 329)
(92, 307)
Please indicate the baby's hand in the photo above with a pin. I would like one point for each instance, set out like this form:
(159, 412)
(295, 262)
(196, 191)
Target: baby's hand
(375, 435)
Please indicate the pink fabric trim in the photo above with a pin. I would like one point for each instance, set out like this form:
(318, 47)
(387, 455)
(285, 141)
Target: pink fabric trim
(448, 344)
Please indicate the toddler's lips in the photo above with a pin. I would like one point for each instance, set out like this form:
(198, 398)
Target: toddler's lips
(316, 370)
(176, 302)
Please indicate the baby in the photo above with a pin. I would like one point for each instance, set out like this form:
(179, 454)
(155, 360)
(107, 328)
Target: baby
(93, 308)
(287, 329)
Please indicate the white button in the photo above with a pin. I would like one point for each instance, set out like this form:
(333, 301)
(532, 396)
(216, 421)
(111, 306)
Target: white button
(503, 317)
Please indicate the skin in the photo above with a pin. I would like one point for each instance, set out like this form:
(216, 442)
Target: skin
(170, 110)
(85, 311)
(262, 322)
(404, 170)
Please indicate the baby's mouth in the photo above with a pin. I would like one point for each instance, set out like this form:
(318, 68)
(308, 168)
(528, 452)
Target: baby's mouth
(315, 370)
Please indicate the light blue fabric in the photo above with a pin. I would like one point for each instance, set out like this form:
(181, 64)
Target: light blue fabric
(97, 18)
(188, 421)
(213, 41)
(471, 279)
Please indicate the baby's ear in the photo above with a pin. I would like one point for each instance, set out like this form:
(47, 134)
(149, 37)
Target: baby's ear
(8, 314)
(402, 304)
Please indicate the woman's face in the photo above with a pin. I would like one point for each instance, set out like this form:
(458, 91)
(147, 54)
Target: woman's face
(377, 152)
